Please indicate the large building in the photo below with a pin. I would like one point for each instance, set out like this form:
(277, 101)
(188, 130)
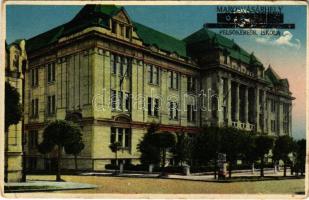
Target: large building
(15, 66)
(114, 77)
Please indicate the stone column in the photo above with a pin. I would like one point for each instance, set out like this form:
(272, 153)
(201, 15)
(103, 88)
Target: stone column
(246, 104)
(257, 109)
(220, 97)
(290, 119)
(229, 102)
(237, 103)
(264, 104)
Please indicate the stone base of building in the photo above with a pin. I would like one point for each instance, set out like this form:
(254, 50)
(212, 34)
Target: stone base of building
(83, 164)
(14, 167)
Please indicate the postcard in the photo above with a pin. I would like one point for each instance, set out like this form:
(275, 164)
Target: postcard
(154, 99)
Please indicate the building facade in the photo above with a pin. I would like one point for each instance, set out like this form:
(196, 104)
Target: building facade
(114, 77)
(15, 66)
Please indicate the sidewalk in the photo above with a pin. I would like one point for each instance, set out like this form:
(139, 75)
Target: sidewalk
(241, 174)
(38, 186)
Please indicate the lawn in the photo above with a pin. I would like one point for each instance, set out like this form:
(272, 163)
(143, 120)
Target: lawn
(169, 186)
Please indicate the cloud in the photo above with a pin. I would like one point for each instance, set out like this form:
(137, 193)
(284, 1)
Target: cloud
(285, 40)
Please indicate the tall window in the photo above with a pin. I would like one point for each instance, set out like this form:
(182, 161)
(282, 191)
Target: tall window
(34, 77)
(127, 138)
(120, 100)
(113, 135)
(128, 31)
(51, 104)
(173, 108)
(113, 63)
(35, 107)
(33, 138)
(153, 74)
(273, 125)
(173, 80)
(122, 135)
(114, 27)
(191, 113)
(273, 105)
(153, 106)
(121, 29)
(191, 84)
(51, 72)
(127, 101)
(120, 64)
(113, 99)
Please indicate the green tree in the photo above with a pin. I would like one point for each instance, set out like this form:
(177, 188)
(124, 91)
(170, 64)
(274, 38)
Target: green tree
(13, 112)
(13, 109)
(207, 145)
(57, 136)
(248, 147)
(164, 141)
(182, 149)
(74, 149)
(300, 154)
(230, 144)
(284, 145)
(150, 154)
(115, 147)
(263, 144)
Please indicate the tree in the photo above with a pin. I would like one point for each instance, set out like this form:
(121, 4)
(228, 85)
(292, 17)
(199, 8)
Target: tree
(164, 141)
(248, 147)
(300, 154)
(206, 146)
(284, 145)
(58, 135)
(263, 144)
(115, 147)
(230, 144)
(75, 149)
(13, 110)
(13, 114)
(150, 154)
(182, 149)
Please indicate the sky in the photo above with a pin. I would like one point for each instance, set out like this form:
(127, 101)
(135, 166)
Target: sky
(285, 53)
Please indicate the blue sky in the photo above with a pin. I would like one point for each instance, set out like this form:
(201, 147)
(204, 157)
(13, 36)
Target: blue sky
(286, 53)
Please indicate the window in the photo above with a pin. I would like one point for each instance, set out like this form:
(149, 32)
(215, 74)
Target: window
(33, 138)
(127, 138)
(114, 27)
(273, 105)
(35, 107)
(153, 74)
(121, 29)
(173, 107)
(120, 100)
(113, 135)
(34, 77)
(153, 106)
(156, 107)
(114, 63)
(120, 63)
(191, 113)
(128, 30)
(173, 80)
(273, 125)
(113, 99)
(51, 72)
(51, 104)
(191, 84)
(122, 135)
(127, 101)
(149, 106)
